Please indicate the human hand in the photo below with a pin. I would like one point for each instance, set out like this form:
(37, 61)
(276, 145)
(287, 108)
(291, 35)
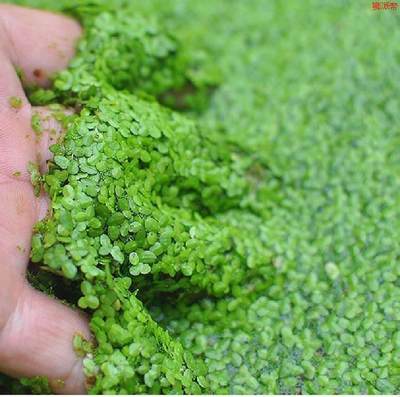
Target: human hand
(36, 331)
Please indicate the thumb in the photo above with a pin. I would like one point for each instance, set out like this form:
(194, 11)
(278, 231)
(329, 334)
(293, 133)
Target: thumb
(37, 341)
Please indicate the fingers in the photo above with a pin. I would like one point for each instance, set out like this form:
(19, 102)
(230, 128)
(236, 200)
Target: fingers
(35, 43)
(37, 341)
(45, 326)
(36, 332)
(38, 42)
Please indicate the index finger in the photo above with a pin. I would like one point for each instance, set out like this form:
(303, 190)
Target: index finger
(37, 42)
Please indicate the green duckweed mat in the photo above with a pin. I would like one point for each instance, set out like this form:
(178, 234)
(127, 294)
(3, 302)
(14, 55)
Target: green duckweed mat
(226, 198)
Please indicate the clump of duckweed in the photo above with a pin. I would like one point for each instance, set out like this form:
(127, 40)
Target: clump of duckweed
(140, 188)
(145, 59)
(142, 199)
(254, 247)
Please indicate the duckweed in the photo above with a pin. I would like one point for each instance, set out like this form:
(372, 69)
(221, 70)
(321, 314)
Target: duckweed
(248, 243)
(15, 102)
